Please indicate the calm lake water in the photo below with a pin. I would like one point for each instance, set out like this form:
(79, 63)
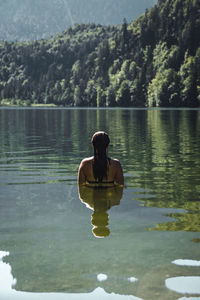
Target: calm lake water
(58, 242)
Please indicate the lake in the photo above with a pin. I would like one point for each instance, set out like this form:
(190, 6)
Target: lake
(59, 242)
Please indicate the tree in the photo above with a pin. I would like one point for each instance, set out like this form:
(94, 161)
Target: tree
(164, 89)
(77, 96)
(189, 80)
(110, 96)
(91, 93)
(123, 94)
(125, 37)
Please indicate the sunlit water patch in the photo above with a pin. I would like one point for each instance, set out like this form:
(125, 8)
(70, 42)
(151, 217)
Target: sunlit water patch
(7, 291)
(189, 298)
(184, 284)
(186, 262)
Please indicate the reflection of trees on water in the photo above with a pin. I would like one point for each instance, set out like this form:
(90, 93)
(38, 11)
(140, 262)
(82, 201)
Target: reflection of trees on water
(159, 147)
(185, 221)
(100, 200)
(175, 173)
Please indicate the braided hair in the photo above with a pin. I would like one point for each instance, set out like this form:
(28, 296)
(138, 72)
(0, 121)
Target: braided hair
(100, 141)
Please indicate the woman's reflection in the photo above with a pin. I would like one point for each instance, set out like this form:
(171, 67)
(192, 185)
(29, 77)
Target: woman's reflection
(100, 200)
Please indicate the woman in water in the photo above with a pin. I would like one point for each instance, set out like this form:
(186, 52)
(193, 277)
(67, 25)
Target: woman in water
(100, 170)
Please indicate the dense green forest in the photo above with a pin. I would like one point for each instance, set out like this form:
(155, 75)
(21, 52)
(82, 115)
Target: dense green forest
(153, 61)
(30, 20)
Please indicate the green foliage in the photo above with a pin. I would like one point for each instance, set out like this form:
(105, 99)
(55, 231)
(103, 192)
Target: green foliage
(123, 94)
(149, 62)
(164, 89)
(190, 78)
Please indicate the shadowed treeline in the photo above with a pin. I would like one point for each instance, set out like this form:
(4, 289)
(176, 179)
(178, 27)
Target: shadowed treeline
(153, 61)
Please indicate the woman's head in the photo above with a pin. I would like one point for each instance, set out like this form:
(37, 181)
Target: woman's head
(100, 142)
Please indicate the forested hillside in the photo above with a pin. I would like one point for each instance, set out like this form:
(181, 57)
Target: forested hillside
(153, 61)
(31, 20)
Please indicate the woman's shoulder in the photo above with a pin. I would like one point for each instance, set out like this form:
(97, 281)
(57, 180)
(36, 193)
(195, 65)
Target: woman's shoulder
(115, 162)
(87, 160)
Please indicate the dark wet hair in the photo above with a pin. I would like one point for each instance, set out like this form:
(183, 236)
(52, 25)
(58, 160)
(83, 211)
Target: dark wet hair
(100, 141)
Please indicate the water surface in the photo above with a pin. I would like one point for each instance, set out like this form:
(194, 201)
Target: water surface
(60, 239)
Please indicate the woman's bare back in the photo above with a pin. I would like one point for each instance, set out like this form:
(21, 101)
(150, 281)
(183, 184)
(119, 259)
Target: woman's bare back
(114, 172)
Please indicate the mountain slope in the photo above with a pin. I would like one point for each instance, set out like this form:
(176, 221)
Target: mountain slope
(153, 61)
(31, 20)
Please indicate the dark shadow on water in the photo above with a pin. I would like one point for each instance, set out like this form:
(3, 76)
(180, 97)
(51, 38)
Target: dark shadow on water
(100, 200)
